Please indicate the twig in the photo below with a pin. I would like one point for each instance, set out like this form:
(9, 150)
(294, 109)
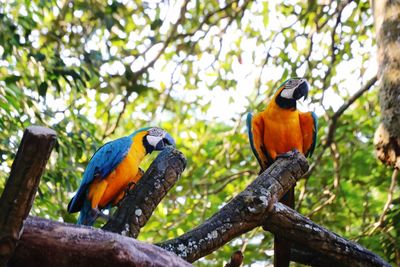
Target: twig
(137, 74)
(336, 180)
(207, 17)
(169, 39)
(121, 113)
(389, 200)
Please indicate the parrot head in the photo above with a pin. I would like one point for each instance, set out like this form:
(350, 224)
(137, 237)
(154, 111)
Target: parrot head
(291, 91)
(157, 139)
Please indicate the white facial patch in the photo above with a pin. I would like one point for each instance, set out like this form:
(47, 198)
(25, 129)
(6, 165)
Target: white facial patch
(290, 87)
(155, 135)
(153, 140)
(287, 93)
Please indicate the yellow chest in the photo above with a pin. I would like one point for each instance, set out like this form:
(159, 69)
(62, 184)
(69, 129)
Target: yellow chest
(282, 131)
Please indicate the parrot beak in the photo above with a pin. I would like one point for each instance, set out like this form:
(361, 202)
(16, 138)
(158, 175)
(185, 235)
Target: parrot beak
(301, 90)
(166, 141)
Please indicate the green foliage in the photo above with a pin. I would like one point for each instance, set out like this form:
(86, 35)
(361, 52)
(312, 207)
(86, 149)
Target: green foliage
(84, 68)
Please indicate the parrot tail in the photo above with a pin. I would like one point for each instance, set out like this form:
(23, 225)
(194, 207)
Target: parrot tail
(282, 245)
(87, 216)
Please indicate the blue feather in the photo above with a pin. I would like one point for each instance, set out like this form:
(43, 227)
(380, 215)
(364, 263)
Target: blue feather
(251, 139)
(87, 216)
(315, 133)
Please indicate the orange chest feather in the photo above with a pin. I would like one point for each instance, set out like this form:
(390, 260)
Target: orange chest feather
(119, 179)
(282, 132)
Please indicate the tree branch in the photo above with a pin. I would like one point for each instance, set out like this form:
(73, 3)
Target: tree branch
(310, 257)
(236, 259)
(295, 227)
(243, 213)
(136, 208)
(20, 190)
(251, 208)
(46, 243)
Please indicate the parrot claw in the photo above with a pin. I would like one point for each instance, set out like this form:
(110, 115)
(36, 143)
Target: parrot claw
(130, 186)
(284, 156)
(100, 214)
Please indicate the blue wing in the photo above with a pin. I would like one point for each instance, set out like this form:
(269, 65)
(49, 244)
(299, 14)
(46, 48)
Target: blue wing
(255, 138)
(315, 135)
(251, 137)
(102, 163)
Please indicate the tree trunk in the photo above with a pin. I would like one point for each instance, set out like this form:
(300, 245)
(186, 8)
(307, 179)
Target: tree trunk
(387, 25)
(21, 187)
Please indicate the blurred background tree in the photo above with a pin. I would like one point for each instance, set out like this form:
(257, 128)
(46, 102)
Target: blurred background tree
(97, 70)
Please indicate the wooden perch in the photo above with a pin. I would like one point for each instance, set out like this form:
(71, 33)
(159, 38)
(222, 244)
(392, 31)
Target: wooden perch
(256, 206)
(137, 207)
(297, 228)
(309, 257)
(243, 213)
(46, 243)
(21, 187)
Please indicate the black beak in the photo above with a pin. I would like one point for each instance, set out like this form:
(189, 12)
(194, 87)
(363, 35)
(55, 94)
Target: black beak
(301, 90)
(166, 141)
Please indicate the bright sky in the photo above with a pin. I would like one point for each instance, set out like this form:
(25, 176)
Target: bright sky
(246, 72)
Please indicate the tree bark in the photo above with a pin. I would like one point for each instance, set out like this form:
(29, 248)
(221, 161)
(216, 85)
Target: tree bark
(310, 257)
(21, 187)
(387, 136)
(243, 213)
(138, 206)
(46, 243)
(297, 228)
(236, 259)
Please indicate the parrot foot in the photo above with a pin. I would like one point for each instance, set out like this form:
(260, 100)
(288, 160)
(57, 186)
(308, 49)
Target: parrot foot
(130, 186)
(100, 214)
(285, 155)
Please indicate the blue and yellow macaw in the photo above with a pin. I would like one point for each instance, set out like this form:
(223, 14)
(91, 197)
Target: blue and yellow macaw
(278, 129)
(112, 169)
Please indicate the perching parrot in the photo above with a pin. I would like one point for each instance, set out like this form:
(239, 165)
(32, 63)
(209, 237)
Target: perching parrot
(112, 169)
(278, 129)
